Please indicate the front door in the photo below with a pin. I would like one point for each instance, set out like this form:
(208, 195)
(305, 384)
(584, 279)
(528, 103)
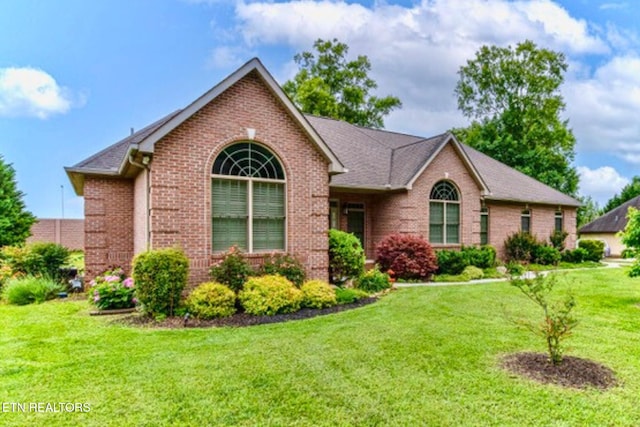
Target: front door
(355, 220)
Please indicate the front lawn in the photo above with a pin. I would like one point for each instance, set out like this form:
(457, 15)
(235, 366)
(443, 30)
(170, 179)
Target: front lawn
(419, 356)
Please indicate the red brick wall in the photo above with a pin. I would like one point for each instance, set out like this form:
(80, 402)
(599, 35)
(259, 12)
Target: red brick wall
(181, 177)
(66, 232)
(108, 211)
(504, 220)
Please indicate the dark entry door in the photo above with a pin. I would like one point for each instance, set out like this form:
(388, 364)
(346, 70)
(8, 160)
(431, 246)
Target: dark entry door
(355, 222)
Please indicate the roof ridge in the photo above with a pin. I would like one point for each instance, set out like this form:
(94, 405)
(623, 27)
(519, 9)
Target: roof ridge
(421, 141)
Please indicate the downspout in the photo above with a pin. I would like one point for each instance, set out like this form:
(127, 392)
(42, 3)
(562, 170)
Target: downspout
(145, 165)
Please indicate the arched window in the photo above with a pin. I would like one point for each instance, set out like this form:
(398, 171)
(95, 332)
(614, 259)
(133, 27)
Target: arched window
(248, 199)
(444, 214)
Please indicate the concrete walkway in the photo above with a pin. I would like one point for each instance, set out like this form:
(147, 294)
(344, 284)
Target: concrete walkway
(609, 263)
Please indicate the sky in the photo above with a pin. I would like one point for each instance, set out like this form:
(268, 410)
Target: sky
(78, 75)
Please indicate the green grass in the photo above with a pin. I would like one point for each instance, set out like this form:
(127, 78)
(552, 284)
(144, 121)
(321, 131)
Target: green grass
(420, 356)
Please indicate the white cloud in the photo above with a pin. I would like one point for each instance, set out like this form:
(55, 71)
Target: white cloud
(604, 108)
(601, 183)
(415, 51)
(31, 92)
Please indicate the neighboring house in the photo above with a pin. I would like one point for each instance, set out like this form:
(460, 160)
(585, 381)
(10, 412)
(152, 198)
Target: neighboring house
(66, 232)
(242, 165)
(608, 225)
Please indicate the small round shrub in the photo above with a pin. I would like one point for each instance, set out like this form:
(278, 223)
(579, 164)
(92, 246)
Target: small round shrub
(628, 253)
(451, 262)
(576, 256)
(521, 247)
(547, 255)
(594, 248)
(373, 281)
(286, 266)
(515, 269)
(409, 256)
(473, 273)
(480, 256)
(346, 256)
(318, 294)
(30, 289)
(349, 295)
(210, 300)
(53, 257)
(160, 276)
(233, 270)
(269, 295)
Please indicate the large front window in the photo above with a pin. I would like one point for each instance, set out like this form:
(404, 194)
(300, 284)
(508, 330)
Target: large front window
(444, 214)
(248, 199)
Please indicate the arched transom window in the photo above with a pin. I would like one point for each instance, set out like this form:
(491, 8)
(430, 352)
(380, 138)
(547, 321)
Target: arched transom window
(444, 214)
(248, 202)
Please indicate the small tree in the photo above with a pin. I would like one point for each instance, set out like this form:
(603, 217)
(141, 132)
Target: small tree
(558, 321)
(15, 220)
(346, 257)
(631, 238)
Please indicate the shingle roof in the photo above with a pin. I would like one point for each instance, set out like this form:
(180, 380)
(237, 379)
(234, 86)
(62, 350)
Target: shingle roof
(613, 221)
(508, 184)
(110, 159)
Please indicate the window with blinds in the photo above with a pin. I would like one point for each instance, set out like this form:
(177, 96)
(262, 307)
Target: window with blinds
(248, 202)
(444, 214)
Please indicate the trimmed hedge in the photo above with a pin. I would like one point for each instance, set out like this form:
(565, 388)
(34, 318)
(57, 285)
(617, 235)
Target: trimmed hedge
(160, 276)
(594, 248)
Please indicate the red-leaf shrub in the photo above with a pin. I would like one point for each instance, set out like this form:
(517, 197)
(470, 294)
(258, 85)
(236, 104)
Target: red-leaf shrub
(409, 256)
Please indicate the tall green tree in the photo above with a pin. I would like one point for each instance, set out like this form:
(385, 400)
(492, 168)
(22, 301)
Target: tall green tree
(15, 220)
(330, 86)
(513, 97)
(627, 193)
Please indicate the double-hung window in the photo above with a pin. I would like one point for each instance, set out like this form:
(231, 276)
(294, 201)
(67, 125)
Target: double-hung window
(444, 214)
(248, 201)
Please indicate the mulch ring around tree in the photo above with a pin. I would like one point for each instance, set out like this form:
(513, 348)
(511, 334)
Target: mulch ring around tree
(572, 372)
(239, 319)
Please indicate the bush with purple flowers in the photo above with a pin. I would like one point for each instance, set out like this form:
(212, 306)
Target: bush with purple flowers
(112, 290)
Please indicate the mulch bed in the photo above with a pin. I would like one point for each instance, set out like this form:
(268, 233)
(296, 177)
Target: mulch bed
(572, 372)
(240, 319)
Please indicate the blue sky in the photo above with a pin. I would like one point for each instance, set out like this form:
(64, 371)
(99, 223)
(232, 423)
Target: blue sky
(76, 76)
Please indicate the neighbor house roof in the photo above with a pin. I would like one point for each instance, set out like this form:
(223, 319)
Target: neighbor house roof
(613, 221)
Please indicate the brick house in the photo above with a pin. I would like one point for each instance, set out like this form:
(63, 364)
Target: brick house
(242, 165)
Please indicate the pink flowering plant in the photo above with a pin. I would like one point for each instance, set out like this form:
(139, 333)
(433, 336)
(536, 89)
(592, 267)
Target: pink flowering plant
(112, 290)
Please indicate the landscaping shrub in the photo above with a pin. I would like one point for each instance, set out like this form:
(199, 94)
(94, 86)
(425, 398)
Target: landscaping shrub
(521, 246)
(233, 270)
(37, 259)
(112, 290)
(210, 300)
(269, 295)
(53, 256)
(473, 273)
(480, 256)
(160, 276)
(557, 239)
(576, 256)
(346, 256)
(373, 281)
(5, 274)
(284, 265)
(547, 255)
(409, 256)
(451, 262)
(558, 322)
(634, 271)
(515, 269)
(30, 289)
(628, 253)
(318, 294)
(594, 248)
(349, 295)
